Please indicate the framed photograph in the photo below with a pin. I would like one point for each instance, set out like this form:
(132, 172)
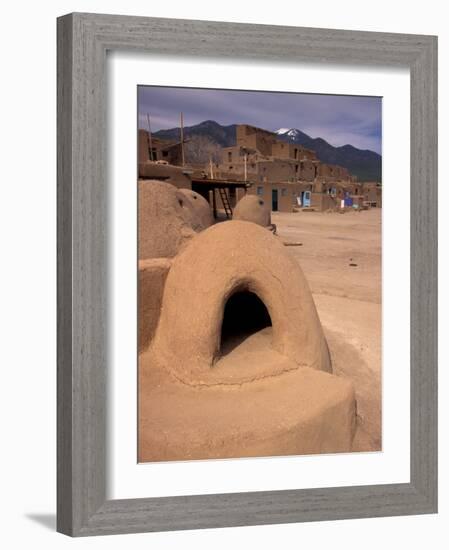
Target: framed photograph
(247, 281)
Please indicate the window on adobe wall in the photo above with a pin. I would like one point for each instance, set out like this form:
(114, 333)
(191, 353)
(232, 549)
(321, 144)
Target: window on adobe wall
(259, 190)
(229, 156)
(283, 192)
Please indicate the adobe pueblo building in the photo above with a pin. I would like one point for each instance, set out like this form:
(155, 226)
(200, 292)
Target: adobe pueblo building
(233, 361)
(286, 176)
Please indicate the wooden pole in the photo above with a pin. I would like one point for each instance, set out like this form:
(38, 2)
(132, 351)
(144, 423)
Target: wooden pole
(182, 140)
(211, 169)
(149, 137)
(246, 172)
(214, 203)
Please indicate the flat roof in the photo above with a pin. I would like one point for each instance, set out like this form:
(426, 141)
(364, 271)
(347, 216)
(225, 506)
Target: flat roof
(220, 182)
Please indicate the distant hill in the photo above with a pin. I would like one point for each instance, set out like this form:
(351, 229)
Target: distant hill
(365, 164)
(225, 136)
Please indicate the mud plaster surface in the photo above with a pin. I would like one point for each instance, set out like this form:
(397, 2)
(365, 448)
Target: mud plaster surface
(168, 219)
(223, 259)
(348, 300)
(252, 208)
(298, 411)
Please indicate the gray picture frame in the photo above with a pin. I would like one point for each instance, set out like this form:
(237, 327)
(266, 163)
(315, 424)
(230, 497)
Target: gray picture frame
(83, 41)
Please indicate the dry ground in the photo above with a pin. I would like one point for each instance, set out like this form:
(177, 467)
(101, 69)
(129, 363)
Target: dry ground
(347, 297)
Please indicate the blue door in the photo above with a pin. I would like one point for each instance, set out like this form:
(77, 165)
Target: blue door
(305, 198)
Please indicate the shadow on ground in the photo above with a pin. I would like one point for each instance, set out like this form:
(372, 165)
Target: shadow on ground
(46, 520)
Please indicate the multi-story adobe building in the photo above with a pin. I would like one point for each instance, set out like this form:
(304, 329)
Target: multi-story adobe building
(158, 150)
(286, 175)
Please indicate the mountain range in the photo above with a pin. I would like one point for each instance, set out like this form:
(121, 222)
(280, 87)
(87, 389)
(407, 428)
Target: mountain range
(365, 164)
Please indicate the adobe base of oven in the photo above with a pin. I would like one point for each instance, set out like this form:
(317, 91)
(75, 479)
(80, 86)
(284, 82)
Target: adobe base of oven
(296, 411)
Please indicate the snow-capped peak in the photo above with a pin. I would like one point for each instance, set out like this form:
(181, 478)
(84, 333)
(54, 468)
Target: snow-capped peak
(292, 132)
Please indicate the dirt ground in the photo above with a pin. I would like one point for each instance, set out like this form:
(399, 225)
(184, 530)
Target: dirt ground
(340, 255)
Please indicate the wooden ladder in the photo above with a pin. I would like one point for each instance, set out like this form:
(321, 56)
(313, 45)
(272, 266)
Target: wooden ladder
(226, 204)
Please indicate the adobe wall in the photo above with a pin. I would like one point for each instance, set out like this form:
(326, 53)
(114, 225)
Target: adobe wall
(373, 194)
(287, 194)
(240, 193)
(307, 170)
(262, 190)
(282, 149)
(299, 412)
(233, 163)
(161, 149)
(231, 155)
(143, 146)
(358, 201)
(255, 138)
(333, 172)
(324, 202)
(175, 175)
(379, 197)
(307, 154)
(152, 275)
(275, 171)
(168, 218)
(263, 143)
(270, 170)
(285, 199)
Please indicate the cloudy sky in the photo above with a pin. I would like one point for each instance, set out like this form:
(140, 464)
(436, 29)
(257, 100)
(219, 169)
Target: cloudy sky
(338, 119)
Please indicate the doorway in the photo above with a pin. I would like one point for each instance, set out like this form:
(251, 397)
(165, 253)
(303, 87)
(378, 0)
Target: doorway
(305, 198)
(274, 200)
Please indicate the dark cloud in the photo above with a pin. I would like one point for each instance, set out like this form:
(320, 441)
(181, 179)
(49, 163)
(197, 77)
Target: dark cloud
(338, 119)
